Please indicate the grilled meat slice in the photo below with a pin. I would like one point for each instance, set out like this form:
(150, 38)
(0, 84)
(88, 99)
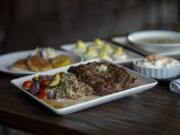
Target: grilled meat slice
(112, 80)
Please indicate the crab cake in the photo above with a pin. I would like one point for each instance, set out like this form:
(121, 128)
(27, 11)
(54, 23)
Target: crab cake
(20, 65)
(36, 63)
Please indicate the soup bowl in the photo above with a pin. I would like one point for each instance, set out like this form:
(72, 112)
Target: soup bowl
(156, 41)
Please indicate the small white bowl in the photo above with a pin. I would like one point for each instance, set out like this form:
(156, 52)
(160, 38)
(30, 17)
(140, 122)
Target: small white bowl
(157, 73)
(137, 38)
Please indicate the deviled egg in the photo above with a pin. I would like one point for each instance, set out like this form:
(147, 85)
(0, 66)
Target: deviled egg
(104, 55)
(80, 47)
(98, 43)
(90, 52)
(107, 48)
(119, 54)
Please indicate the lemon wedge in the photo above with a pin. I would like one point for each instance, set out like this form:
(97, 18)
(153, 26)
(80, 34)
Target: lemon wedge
(61, 61)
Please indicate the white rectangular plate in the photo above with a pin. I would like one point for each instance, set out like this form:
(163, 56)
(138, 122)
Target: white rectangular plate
(147, 84)
(131, 56)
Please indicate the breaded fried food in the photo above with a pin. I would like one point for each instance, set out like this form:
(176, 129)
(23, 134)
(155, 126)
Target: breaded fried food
(20, 65)
(60, 61)
(37, 64)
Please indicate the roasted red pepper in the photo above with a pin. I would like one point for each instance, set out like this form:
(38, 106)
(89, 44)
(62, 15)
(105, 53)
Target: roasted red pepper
(41, 93)
(45, 83)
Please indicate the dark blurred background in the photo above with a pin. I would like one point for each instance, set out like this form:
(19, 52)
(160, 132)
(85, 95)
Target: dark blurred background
(25, 24)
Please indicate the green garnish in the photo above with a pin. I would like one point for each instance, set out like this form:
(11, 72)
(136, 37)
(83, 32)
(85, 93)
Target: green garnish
(101, 68)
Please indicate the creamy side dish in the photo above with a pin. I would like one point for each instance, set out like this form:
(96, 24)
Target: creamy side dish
(46, 53)
(156, 61)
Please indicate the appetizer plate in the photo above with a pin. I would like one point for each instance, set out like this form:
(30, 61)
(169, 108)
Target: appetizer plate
(131, 56)
(156, 41)
(123, 41)
(147, 83)
(7, 60)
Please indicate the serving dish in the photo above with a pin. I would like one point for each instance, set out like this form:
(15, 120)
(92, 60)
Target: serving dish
(158, 67)
(156, 41)
(122, 41)
(147, 83)
(7, 60)
(131, 56)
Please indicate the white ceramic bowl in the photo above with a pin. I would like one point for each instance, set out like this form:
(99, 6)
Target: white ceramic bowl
(137, 37)
(157, 73)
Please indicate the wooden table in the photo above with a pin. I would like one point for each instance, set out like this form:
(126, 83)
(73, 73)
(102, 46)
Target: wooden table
(156, 111)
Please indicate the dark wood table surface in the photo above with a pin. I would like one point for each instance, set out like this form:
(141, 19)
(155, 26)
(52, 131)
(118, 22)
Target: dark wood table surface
(156, 111)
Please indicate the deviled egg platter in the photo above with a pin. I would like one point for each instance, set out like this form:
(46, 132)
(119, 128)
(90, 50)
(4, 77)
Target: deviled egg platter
(99, 49)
